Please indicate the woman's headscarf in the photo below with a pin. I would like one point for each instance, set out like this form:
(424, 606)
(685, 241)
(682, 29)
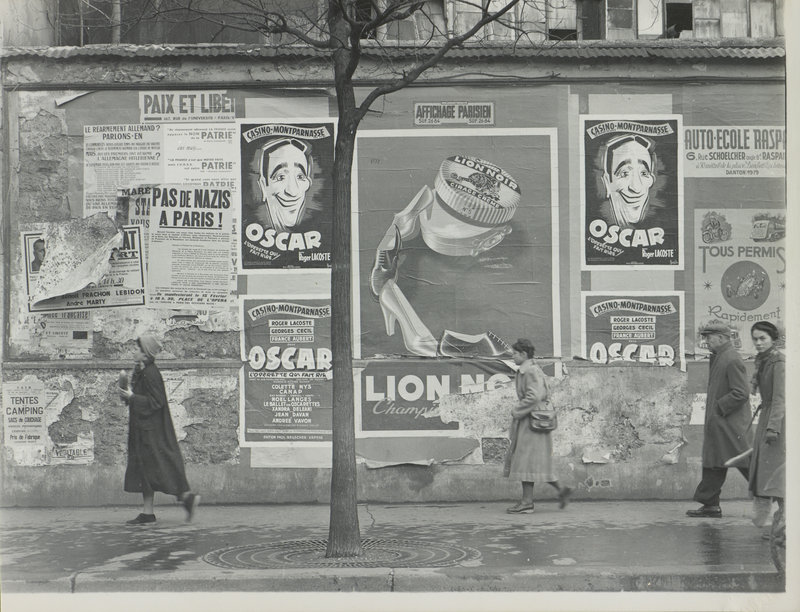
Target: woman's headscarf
(149, 344)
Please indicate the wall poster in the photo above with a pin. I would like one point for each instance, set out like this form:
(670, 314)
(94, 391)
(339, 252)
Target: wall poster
(116, 156)
(633, 326)
(122, 283)
(184, 105)
(632, 192)
(734, 151)
(740, 270)
(457, 239)
(189, 252)
(400, 397)
(287, 376)
(286, 194)
(24, 421)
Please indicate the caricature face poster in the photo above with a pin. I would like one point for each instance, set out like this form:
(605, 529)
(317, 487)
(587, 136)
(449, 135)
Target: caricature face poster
(632, 192)
(287, 194)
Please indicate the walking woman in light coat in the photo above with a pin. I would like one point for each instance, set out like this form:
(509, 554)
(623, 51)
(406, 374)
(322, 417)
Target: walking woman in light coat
(530, 455)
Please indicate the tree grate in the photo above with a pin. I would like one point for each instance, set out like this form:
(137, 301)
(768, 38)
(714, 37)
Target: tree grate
(311, 554)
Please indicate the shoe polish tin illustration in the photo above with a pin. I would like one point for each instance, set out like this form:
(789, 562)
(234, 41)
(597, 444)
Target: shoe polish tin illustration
(474, 201)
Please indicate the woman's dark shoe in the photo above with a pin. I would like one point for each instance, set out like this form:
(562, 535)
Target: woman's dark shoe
(142, 519)
(706, 512)
(190, 502)
(563, 497)
(520, 508)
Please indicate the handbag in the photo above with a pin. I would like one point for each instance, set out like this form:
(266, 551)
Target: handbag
(543, 421)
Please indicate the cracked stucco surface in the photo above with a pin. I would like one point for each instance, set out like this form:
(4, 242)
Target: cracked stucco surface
(623, 413)
(204, 408)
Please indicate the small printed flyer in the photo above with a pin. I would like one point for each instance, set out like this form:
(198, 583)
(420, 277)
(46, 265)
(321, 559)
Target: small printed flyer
(24, 423)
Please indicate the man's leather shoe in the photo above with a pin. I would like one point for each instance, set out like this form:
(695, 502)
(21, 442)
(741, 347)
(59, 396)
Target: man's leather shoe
(706, 512)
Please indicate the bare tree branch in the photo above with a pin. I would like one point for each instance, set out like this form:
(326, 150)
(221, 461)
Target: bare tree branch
(423, 65)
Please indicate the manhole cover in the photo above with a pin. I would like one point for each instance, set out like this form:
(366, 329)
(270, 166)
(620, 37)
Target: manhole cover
(311, 553)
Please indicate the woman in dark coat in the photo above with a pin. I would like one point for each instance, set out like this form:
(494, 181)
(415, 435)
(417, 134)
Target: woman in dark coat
(155, 462)
(767, 464)
(530, 455)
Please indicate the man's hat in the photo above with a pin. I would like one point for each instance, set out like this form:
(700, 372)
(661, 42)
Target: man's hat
(715, 328)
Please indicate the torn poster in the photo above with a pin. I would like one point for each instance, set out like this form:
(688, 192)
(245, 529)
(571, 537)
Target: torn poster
(83, 263)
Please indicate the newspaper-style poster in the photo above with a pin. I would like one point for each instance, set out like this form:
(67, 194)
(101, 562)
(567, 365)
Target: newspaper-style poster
(116, 156)
(632, 192)
(24, 421)
(633, 327)
(79, 270)
(287, 381)
(287, 194)
(740, 271)
(204, 155)
(742, 151)
(207, 155)
(186, 105)
(189, 259)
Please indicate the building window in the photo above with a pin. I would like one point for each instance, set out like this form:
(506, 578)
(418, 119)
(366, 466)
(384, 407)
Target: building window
(363, 10)
(679, 18)
(562, 20)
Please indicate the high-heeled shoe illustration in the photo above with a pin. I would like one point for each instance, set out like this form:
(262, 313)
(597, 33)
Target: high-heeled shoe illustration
(397, 309)
(468, 213)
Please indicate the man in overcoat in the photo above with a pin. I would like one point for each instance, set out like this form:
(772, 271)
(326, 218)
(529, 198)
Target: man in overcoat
(727, 427)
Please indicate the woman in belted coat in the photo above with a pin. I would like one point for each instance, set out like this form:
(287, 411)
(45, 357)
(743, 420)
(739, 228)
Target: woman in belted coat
(155, 462)
(767, 464)
(530, 455)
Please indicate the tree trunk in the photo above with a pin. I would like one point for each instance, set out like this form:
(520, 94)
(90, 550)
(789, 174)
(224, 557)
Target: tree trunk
(344, 538)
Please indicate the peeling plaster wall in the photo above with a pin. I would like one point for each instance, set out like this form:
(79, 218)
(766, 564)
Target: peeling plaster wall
(623, 433)
(204, 406)
(634, 435)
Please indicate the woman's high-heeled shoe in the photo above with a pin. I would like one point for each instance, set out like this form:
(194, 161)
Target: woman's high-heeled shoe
(396, 308)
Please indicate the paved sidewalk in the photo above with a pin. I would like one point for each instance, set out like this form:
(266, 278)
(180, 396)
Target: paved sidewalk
(590, 546)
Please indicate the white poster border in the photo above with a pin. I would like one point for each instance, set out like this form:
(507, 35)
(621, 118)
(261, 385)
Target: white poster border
(555, 289)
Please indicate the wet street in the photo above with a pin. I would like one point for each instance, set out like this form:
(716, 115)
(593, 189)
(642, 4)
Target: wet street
(40, 546)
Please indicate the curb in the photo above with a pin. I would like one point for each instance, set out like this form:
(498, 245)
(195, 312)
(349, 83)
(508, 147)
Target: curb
(723, 578)
(642, 579)
(366, 580)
